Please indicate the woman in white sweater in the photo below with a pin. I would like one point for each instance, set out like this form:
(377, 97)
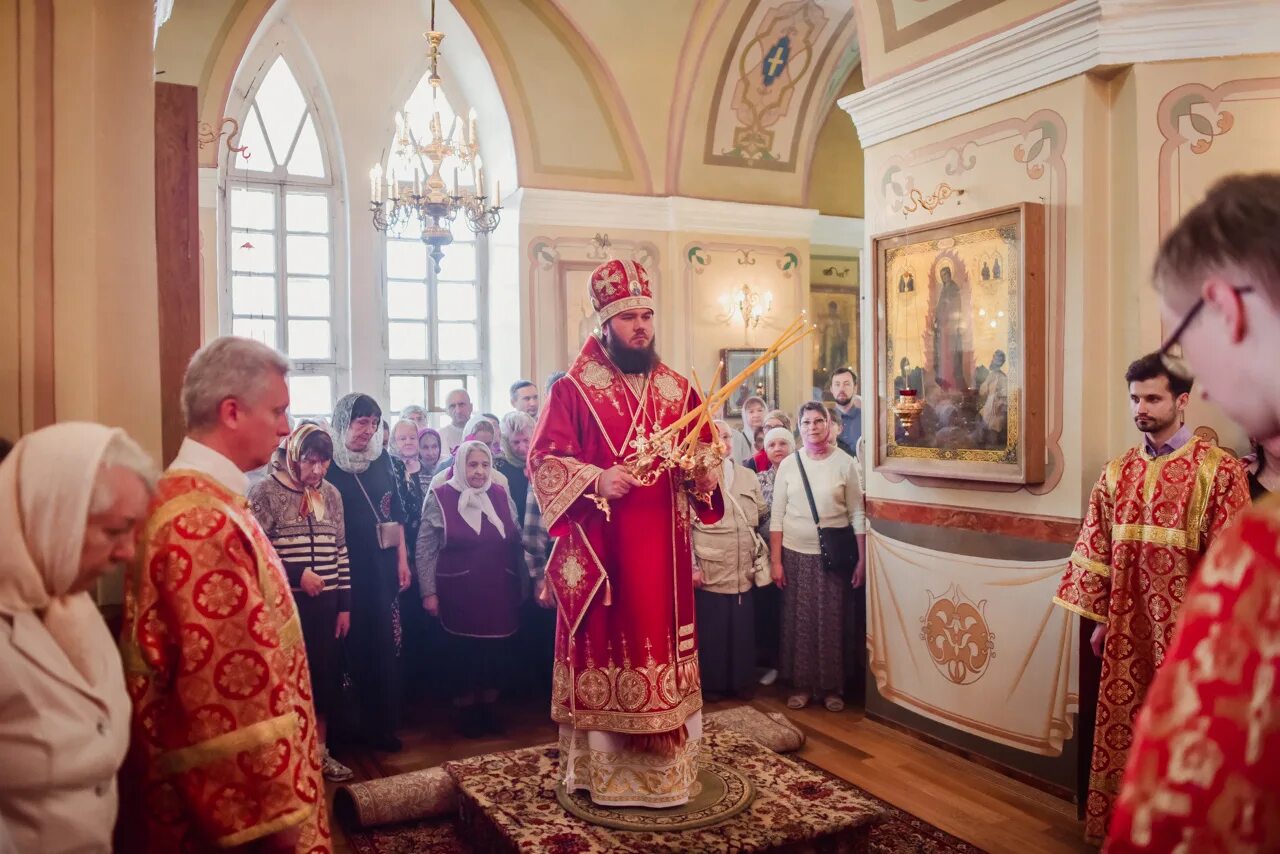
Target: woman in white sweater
(813, 600)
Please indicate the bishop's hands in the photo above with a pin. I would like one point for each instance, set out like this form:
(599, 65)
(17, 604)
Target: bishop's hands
(615, 482)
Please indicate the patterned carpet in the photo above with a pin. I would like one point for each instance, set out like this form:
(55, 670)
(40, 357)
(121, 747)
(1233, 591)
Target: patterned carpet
(898, 833)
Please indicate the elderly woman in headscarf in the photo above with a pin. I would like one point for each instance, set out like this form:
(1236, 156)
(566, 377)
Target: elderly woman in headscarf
(71, 499)
(430, 450)
(470, 562)
(478, 429)
(372, 488)
(779, 443)
(724, 563)
(301, 513)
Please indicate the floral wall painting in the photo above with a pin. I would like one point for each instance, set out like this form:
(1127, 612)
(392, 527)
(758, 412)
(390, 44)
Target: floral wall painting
(960, 347)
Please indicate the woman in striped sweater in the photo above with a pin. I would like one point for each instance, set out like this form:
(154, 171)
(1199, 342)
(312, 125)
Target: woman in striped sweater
(301, 513)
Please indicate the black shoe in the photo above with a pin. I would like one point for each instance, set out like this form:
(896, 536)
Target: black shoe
(386, 743)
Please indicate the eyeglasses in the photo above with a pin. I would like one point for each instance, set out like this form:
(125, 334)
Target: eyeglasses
(1174, 363)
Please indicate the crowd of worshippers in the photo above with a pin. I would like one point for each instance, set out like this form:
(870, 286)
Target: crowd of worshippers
(261, 617)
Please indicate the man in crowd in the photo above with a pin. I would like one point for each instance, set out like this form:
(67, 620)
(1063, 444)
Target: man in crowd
(844, 388)
(1204, 769)
(621, 570)
(458, 405)
(524, 398)
(1153, 513)
(224, 733)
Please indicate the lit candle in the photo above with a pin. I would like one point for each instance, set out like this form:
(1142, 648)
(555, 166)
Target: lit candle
(471, 132)
(456, 191)
(417, 185)
(393, 188)
(375, 182)
(497, 192)
(480, 181)
(435, 125)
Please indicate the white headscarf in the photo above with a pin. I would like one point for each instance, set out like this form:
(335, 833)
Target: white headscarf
(473, 501)
(46, 485)
(355, 462)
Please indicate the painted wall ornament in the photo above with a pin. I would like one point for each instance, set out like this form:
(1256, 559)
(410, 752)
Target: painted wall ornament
(960, 642)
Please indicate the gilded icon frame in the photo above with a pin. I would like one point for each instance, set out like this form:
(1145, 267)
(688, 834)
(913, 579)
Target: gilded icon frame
(981, 290)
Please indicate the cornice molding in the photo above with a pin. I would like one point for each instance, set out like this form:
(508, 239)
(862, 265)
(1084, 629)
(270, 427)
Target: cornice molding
(1066, 41)
(571, 208)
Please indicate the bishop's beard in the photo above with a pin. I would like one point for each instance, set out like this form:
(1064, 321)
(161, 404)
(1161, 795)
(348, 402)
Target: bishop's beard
(632, 360)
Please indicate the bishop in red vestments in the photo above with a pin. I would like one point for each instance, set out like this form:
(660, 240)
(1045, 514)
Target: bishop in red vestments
(625, 690)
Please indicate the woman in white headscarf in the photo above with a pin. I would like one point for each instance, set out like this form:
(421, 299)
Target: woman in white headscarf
(723, 577)
(71, 498)
(470, 563)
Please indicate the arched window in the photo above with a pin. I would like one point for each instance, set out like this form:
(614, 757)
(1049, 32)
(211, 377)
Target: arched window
(435, 321)
(280, 264)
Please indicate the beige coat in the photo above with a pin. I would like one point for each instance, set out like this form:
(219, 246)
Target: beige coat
(724, 552)
(60, 743)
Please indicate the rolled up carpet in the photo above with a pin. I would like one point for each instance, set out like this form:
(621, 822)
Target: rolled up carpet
(771, 729)
(405, 797)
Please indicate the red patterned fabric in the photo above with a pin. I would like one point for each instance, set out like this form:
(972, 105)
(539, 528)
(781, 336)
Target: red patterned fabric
(1149, 521)
(626, 652)
(223, 727)
(618, 286)
(1204, 771)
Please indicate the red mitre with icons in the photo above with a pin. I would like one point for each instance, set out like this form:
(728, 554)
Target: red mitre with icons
(618, 286)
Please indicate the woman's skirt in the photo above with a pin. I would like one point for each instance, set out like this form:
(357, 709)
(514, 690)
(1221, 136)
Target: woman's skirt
(726, 640)
(812, 650)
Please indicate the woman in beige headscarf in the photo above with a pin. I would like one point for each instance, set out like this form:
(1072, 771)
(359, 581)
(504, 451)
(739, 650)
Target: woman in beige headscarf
(71, 498)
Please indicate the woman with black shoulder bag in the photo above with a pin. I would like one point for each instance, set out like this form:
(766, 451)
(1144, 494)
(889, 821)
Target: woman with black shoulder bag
(367, 480)
(817, 541)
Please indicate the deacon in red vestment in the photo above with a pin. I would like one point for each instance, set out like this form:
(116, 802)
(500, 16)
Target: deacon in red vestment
(1204, 771)
(224, 749)
(1151, 516)
(625, 689)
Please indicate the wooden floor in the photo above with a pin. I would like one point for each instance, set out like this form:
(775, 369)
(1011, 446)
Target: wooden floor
(976, 804)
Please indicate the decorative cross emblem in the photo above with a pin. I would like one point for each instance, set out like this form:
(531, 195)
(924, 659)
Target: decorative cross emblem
(776, 60)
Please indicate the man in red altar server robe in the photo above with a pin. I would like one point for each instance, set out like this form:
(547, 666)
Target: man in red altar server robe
(626, 690)
(1151, 516)
(1204, 770)
(224, 749)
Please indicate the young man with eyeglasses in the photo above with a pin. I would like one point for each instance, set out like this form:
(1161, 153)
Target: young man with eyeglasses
(1152, 514)
(1204, 769)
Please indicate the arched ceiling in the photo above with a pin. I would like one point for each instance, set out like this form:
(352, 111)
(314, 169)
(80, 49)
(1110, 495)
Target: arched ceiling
(722, 99)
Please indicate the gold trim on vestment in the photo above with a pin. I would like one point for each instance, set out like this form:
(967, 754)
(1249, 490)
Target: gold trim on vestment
(259, 831)
(1078, 610)
(1153, 534)
(560, 503)
(1081, 562)
(1206, 476)
(228, 744)
(639, 723)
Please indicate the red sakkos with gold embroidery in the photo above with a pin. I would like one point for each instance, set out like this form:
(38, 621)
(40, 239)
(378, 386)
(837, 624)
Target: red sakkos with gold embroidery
(1148, 523)
(626, 649)
(224, 733)
(1204, 772)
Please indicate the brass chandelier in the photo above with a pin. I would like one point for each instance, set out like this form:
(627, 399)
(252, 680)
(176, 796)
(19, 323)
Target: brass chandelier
(423, 197)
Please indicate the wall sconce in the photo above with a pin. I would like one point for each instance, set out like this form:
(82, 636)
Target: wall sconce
(746, 305)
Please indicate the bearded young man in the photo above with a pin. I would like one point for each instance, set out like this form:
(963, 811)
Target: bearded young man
(224, 734)
(1153, 513)
(1204, 770)
(844, 388)
(625, 687)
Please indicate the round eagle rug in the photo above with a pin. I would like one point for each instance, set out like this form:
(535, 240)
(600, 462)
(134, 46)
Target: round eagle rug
(719, 793)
